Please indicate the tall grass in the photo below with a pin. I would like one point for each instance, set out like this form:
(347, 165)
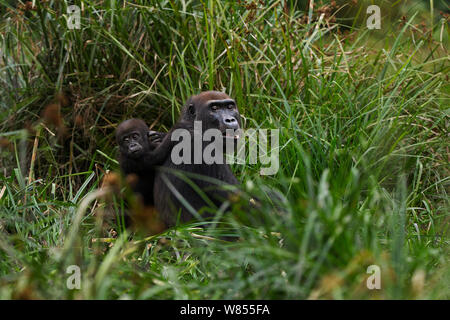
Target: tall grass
(363, 179)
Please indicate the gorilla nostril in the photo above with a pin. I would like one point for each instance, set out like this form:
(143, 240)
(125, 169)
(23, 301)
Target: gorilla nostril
(231, 122)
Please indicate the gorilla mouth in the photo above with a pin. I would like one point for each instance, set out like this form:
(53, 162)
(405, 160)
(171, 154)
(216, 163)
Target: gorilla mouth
(134, 150)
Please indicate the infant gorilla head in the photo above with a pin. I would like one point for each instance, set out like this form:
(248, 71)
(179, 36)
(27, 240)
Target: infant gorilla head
(135, 139)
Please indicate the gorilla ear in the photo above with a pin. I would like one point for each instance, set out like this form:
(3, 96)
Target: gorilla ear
(191, 109)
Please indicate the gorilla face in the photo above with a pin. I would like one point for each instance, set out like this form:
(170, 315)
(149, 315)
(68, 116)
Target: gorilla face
(215, 110)
(133, 138)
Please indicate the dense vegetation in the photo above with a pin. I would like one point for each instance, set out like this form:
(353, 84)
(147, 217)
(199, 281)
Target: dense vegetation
(364, 148)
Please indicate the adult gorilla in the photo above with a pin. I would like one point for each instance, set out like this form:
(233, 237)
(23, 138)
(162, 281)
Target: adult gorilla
(186, 189)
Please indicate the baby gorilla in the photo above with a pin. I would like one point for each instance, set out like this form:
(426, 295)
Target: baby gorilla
(135, 144)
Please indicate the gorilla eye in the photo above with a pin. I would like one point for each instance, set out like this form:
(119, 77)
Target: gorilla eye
(214, 107)
(230, 106)
(135, 136)
(191, 109)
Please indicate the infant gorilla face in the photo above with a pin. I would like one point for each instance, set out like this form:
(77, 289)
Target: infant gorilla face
(134, 144)
(133, 138)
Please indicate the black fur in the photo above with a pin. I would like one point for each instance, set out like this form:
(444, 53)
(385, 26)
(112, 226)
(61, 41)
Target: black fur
(135, 145)
(215, 110)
